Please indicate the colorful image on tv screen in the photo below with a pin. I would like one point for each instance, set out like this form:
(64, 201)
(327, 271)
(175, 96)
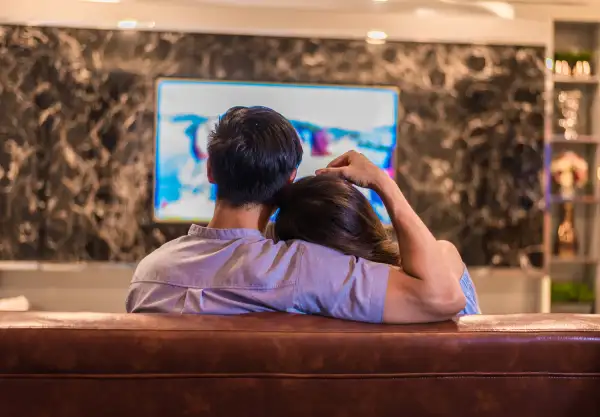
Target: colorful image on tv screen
(330, 120)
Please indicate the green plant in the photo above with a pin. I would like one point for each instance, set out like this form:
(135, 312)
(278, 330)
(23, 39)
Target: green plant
(570, 292)
(573, 57)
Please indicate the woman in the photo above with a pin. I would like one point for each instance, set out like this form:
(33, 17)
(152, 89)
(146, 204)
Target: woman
(331, 212)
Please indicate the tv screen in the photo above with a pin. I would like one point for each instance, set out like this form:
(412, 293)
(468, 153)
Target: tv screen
(330, 120)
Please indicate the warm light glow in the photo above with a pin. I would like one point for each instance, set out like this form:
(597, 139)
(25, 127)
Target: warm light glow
(499, 8)
(425, 11)
(380, 1)
(102, 1)
(127, 24)
(376, 37)
(375, 41)
(377, 34)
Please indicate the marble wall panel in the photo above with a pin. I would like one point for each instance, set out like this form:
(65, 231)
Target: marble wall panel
(21, 188)
(76, 123)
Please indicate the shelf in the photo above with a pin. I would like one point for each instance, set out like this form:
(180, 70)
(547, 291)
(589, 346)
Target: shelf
(584, 199)
(581, 140)
(572, 307)
(575, 260)
(564, 79)
(573, 41)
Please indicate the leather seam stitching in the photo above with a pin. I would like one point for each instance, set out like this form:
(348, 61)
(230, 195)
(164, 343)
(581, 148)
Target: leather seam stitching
(467, 375)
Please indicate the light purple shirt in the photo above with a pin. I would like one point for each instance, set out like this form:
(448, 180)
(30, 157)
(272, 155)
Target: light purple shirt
(235, 271)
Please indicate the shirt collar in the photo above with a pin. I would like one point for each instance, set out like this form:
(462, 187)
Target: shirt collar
(222, 234)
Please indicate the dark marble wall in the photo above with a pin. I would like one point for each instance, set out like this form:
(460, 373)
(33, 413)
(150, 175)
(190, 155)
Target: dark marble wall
(76, 132)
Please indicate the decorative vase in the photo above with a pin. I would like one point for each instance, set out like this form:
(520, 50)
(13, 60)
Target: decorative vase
(568, 103)
(566, 243)
(582, 69)
(561, 67)
(570, 171)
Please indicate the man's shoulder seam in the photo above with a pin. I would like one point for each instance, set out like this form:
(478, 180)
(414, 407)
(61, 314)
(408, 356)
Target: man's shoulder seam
(216, 287)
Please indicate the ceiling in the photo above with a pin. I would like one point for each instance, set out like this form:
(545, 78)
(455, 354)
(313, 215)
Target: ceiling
(498, 8)
(374, 5)
(456, 21)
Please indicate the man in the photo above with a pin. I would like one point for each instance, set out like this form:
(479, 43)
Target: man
(230, 268)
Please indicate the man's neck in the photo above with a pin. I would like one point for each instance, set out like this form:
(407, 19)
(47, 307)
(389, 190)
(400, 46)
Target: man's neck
(250, 217)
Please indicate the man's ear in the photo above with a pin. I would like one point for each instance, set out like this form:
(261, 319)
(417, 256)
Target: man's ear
(209, 172)
(293, 176)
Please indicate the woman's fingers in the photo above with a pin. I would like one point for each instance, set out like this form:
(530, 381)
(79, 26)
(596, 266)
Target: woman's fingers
(340, 161)
(339, 172)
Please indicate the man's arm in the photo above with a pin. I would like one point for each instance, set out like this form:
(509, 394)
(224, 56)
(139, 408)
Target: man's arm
(435, 294)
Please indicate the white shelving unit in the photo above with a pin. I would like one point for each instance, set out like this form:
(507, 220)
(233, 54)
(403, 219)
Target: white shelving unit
(583, 268)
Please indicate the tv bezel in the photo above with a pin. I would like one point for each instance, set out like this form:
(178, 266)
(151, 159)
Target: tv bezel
(158, 80)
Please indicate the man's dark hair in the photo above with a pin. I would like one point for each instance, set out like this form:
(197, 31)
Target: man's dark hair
(252, 153)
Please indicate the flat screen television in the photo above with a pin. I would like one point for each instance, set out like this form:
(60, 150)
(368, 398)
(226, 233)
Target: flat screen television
(330, 120)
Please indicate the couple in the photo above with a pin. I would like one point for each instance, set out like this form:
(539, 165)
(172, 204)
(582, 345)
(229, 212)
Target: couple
(328, 254)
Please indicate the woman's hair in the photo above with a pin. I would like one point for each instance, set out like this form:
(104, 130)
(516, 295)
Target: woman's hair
(330, 211)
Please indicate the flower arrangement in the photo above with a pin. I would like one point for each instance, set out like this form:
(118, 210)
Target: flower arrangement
(570, 171)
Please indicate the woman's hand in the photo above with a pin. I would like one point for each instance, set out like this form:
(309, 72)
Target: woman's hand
(356, 168)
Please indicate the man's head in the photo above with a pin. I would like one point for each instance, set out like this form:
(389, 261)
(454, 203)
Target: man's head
(252, 153)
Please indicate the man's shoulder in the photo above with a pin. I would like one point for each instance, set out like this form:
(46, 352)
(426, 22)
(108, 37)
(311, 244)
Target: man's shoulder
(195, 259)
(151, 266)
(334, 284)
(317, 262)
(190, 260)
(313, 251)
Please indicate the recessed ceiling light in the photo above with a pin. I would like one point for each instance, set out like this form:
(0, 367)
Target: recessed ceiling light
(134, 24)
(376, 37)
(127, 24)
(376, 34)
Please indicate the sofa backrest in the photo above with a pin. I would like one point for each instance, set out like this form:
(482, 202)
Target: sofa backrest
(88, 365)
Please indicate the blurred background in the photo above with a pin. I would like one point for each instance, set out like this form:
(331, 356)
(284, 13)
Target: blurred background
(497, 144)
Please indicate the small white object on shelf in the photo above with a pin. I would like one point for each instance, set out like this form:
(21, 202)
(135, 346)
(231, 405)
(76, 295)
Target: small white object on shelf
(14, 304)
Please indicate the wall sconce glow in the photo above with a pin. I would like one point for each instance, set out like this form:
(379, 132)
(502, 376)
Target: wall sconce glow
(425, 11)
(376, 37)
(499, 8)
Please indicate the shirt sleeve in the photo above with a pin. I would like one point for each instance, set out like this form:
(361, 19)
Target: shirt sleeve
(468, 288)
(341, 286)
(154, 297)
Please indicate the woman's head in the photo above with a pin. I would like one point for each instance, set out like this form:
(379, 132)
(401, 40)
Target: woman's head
(332, 212)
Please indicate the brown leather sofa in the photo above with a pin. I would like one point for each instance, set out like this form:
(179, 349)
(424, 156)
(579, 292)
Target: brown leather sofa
(88, 365)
